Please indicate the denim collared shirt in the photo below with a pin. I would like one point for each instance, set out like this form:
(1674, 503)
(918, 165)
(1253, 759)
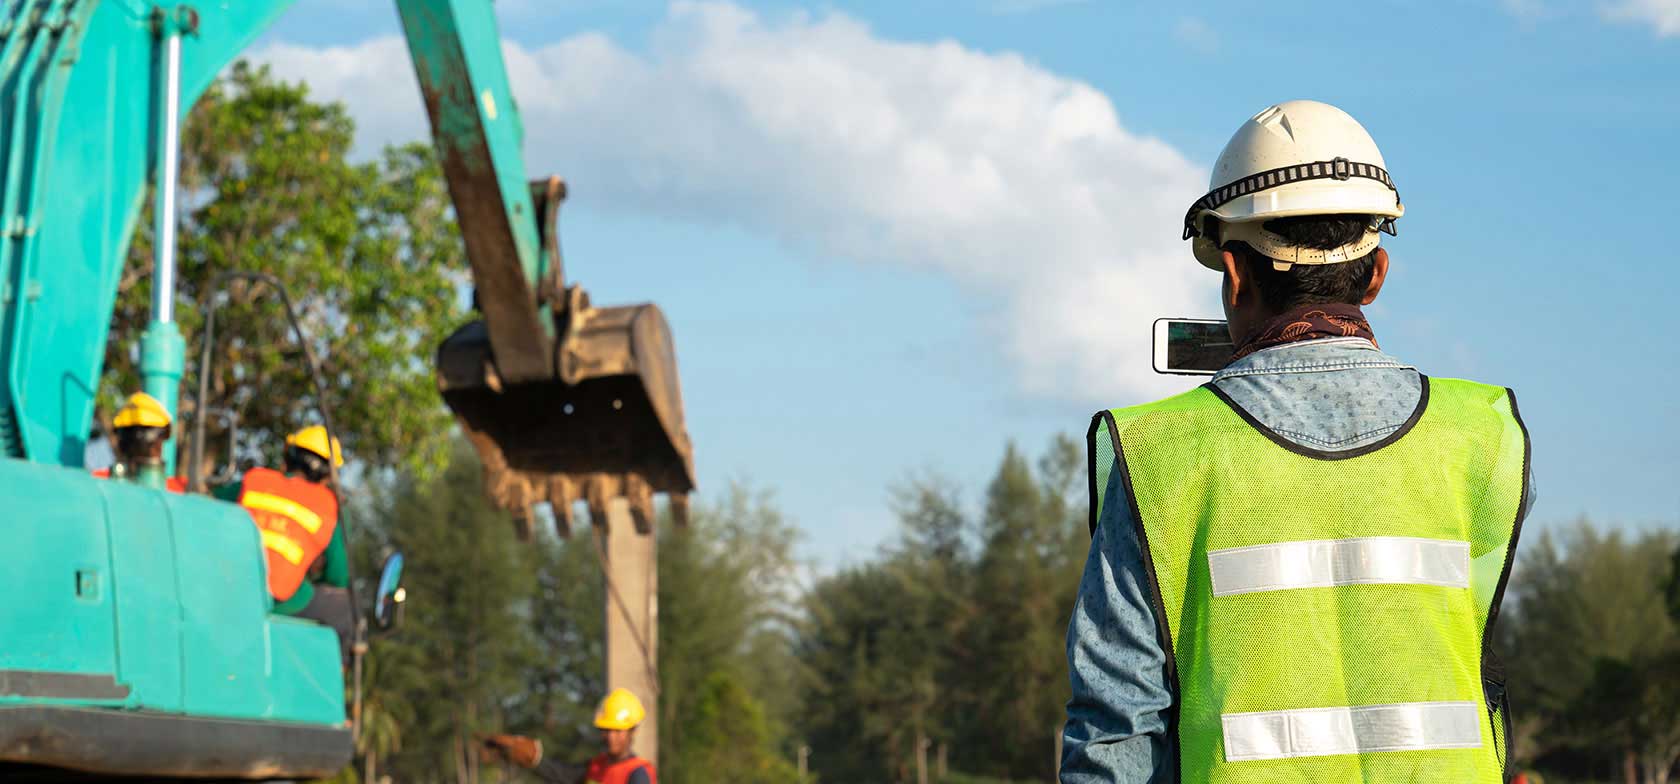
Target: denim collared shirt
(1332, 395)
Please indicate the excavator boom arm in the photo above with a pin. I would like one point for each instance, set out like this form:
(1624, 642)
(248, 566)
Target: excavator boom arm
(475, 126)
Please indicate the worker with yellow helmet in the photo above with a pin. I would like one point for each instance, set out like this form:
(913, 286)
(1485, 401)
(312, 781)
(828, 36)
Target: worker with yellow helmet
(619, 714)
(140, 429)
(296, 512)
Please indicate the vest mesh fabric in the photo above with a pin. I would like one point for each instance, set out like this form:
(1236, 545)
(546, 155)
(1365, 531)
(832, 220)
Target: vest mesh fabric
(1201, 477)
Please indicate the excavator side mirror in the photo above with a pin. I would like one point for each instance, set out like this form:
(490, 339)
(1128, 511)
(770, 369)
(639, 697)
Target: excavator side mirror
(388, 600)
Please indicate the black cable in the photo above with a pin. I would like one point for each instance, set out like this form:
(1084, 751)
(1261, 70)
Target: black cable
(649, 665)
(195, 481)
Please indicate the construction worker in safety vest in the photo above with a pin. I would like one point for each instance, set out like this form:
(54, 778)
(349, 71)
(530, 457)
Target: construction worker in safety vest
(1294, 568)
(140, 428)
(296, 512)
(617, 718)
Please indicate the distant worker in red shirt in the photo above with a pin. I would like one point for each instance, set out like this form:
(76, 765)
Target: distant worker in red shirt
(141, 427)
(617, 718)
(296, 511)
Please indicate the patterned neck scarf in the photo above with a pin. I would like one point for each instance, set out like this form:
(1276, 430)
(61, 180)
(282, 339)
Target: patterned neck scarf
(1309, 322)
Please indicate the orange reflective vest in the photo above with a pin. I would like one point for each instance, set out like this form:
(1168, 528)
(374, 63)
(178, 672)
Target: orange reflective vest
(295, 517)
(605, 771)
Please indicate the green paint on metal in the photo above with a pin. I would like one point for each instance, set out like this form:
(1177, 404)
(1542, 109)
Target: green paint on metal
(77, 82)
(456, 48)
(153, 476)
(165, 592)
(162, 361)
(162, 592)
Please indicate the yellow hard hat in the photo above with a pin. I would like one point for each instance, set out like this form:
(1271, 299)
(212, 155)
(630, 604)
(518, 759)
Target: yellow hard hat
(620, 711)
(314, 439)
(141, 410)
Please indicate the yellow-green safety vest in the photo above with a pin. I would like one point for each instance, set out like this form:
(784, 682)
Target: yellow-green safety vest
(1324, 614)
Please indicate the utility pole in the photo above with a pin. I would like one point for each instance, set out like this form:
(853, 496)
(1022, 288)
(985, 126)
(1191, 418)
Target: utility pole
(632, 610)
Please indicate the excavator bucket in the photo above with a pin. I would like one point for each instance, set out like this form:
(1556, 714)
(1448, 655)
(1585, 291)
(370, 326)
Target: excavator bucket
(608, 423)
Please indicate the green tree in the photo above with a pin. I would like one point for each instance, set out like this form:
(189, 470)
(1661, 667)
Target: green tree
(725, 586)
(864, 694)
(1025, 578)
(1592, 654)
(466, 648)
(369, 251)
(727, 737)
(565, 681)
(953, 636)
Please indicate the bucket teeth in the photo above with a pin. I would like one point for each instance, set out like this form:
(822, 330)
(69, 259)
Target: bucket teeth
(562, 491)
(607, 423)
(679, 508)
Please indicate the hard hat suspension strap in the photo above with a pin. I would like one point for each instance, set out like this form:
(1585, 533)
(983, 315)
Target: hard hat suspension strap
(1333, 169)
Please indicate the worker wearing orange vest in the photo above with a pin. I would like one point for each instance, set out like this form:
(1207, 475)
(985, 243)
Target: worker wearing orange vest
(141, 427)
(617, 718)
(296, 512)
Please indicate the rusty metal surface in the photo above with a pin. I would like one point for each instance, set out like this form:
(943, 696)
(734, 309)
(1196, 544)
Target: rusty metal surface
(476, 131)
(138, 743)
(605, 422)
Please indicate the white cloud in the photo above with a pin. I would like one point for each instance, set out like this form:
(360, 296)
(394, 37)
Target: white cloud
(1196, 34)
(1021, 185)
(1662, 15)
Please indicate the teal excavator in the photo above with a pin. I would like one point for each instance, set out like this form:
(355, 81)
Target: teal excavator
(136, 637)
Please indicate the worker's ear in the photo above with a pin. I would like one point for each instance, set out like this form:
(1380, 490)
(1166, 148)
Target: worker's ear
(1379, 274)
(1237, 281)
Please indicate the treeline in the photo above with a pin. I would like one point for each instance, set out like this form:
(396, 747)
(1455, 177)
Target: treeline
(947, 646)
(1591, 642)
(941, 655)
(506, 636)
(945, 652)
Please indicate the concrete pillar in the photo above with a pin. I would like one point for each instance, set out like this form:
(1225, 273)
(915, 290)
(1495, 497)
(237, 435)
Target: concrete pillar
(632, 569)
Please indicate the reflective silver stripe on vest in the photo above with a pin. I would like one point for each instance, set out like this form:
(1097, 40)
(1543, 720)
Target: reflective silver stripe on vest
(1317, 732)
(1326, 562)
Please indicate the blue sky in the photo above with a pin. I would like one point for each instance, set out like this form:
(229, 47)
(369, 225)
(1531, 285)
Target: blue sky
(892, 237)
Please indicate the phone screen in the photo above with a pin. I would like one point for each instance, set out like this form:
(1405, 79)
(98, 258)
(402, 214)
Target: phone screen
(1194, 346)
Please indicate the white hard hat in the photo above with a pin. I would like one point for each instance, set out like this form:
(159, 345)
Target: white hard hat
(1295, 158)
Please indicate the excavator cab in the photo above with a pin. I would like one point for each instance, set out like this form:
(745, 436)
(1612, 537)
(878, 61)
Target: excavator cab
(609, 422)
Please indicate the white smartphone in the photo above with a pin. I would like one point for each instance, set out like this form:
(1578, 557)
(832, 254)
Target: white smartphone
(1192, 347)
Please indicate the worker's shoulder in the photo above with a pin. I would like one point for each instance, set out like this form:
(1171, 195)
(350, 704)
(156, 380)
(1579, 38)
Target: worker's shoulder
(1200, 398)
(1464, 387)
(1459, 397)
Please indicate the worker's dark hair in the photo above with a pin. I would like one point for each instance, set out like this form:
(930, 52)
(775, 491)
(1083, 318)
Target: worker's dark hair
(1312, 284)
(302, 461)
(140, 443)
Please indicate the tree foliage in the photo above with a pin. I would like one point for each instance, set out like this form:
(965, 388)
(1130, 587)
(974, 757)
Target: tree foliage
(466, 648)
(1594, 655)
(369, 251)
(506, 636)
(953, 637)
